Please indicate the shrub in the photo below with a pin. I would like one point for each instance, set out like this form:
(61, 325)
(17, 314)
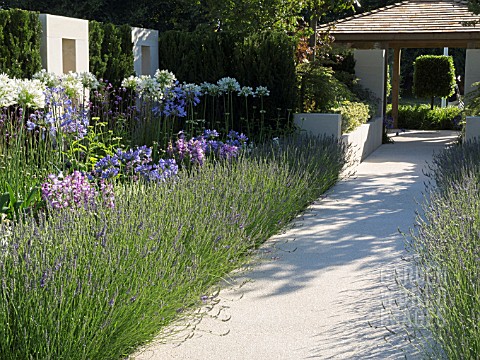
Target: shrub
(111, 51)
(446, 252)
(20, 43)
(434, 76)
(264, 59)
(422, 117)
(196, 56)
(319, 89)
(353, 114)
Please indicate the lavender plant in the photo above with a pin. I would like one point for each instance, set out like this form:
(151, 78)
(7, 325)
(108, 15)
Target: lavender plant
(96, 284)
(445, 252)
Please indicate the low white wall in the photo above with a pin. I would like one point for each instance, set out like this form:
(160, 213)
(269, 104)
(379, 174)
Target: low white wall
(472, 129)
(319, 124)
(64, 44)
(145, 39)
(365, 139)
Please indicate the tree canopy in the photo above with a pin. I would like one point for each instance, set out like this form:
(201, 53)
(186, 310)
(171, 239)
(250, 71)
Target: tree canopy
(243, 16)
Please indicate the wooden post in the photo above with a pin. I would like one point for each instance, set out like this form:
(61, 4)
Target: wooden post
(385, 82)
(396, 85)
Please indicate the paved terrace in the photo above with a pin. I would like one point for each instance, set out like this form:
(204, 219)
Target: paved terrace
(318, 289)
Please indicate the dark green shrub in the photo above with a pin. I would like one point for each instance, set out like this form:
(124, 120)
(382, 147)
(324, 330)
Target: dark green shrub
(111, 51)
(422, 117)
(320, 90)
(195, 57)
(20, 43)
(267, 59)
(95, 37)
(264, 59)
(434, 76)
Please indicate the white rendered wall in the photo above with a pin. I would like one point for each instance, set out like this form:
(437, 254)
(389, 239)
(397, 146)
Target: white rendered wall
(55, 30)
(472, 129)
(365, 139)
(370, 69)
(320, 124)
(145, 38)
(472, 69)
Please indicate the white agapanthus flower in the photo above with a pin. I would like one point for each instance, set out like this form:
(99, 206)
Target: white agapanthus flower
(228, 84)
(262, 91)
(149, 87)
(165, 78)
(209, 89)
(131, 82)
(72, 83)
(7, 91)
(30, 93)
(49, 79)
(89, 81)
(246, 91)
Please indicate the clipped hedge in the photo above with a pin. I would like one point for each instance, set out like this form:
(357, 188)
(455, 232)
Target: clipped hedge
(111, 51)
(197, 56)
(422, 117)
(20, 43)
(434, 76)
(265, 59)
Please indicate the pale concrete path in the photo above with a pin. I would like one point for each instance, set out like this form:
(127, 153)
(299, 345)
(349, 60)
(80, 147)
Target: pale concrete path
(318, 293)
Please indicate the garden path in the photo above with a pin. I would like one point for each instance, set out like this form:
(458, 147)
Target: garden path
(319, 290)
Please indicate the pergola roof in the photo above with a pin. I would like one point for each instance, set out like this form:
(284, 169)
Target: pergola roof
(411, 23)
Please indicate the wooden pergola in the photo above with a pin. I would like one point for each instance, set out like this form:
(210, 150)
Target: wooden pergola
(408, 24)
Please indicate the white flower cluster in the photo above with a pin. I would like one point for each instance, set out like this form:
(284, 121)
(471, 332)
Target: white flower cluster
(262, 91)
(246, 91)
(151, 87)
(209, 89)
(26, 93)
(228, 84)
(7, 91)
(49, 79)
(30, 93)
(130, 83)
(165, 78)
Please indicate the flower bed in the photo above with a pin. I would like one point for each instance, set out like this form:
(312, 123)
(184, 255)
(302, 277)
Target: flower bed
(105, 241)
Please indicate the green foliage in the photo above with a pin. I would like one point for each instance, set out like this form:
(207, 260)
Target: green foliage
(12, 206)
(320, 90)
(445, 255)
(422, 117)
(99, 142)
(20, 43)
(434, 76)
(121, 274)
(196, 56)
(95, 40)
(353, 114)
(261, 59)
(111, 51)
(472, 101)
(267, 59)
